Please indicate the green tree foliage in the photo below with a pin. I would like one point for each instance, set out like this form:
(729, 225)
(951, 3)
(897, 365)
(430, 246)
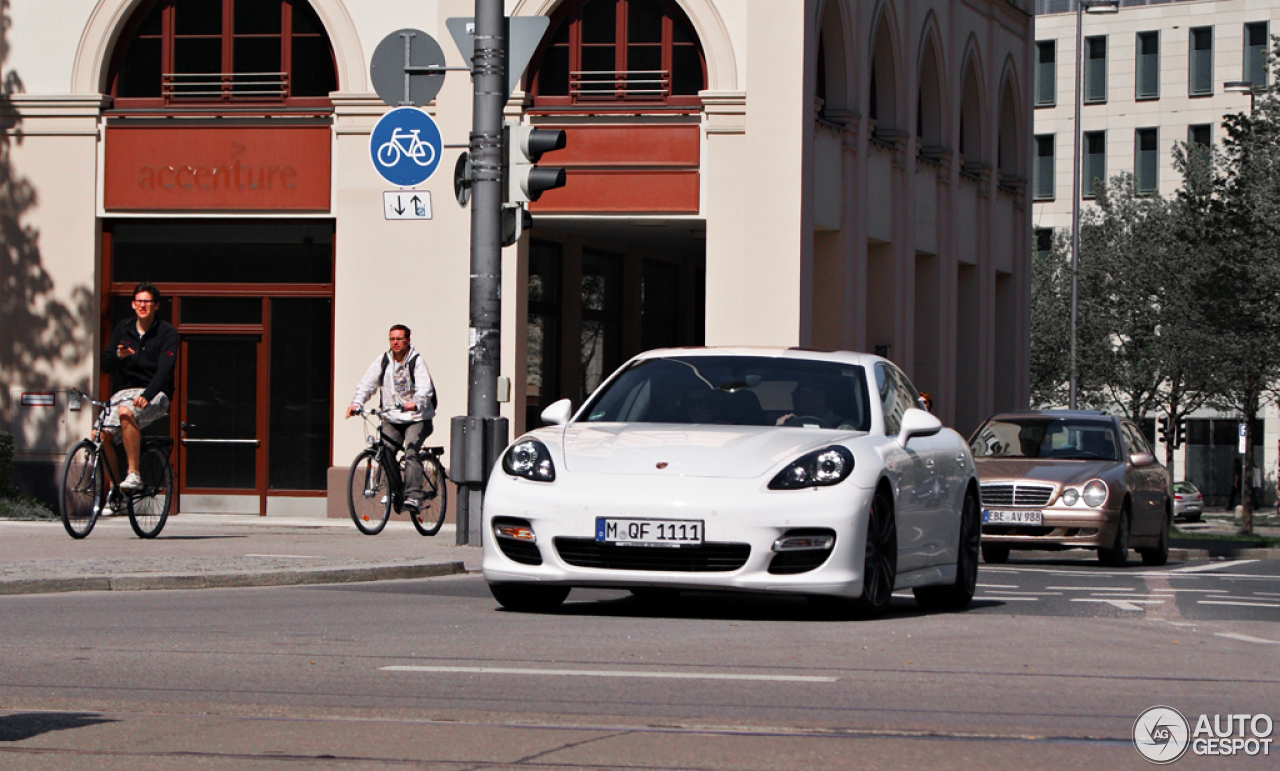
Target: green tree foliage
(1050, 332)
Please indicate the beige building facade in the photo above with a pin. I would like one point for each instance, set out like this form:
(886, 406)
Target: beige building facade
(835, 174)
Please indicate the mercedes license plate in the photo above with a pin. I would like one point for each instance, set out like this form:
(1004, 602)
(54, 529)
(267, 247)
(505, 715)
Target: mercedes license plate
(649, 532)
(1000, 517)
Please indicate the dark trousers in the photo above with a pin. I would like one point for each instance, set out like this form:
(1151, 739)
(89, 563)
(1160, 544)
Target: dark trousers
(411, 435)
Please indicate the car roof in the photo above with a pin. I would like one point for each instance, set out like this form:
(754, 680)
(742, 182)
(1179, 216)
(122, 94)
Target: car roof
(806, 354)
(1098, 415)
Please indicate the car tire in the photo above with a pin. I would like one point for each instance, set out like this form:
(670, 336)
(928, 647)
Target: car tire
(960, 593)
(529, 598)
(995, 553)
(880, 560)
(1117, 555)
(1160, 554)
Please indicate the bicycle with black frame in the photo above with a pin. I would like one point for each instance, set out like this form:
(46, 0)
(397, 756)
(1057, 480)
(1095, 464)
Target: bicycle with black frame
(376, 485)
(88, 482)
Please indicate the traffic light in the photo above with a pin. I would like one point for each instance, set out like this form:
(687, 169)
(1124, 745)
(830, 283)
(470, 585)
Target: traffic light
(1178, 437)
(523, 146)
(1164, 431)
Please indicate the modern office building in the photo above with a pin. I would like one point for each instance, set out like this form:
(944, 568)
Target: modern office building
(824, 173)
(1155, 74)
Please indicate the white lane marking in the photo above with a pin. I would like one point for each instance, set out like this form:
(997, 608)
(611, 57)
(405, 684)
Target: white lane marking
(1005, 598)
(612, 673)
(1026, 592)
(1247, 638)
(1136, 597)
(999, 586)
(1121, 604)
(1267, 594)
(294, 556)
(1211, 566)
(1240, 604)
(1093, 588)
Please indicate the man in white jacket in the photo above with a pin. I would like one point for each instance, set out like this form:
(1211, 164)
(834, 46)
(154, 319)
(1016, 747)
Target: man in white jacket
(404, 385)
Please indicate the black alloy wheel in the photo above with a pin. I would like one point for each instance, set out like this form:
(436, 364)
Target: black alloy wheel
(880, 563)
(1117, 555)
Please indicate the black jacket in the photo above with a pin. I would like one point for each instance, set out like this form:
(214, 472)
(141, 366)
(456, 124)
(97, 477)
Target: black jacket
(152, 363)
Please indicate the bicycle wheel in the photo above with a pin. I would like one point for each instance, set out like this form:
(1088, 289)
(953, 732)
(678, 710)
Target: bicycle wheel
(149, 508)
(435, 499)
(80, 496)
(369, 494)
(389, 153)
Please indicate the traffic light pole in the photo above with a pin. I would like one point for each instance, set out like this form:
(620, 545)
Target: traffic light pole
(482, 421)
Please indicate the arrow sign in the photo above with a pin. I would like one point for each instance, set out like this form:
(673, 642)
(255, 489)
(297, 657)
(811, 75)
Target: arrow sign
(524, 33)
(406, 205)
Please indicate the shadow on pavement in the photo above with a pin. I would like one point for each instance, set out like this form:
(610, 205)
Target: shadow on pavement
(24, 725)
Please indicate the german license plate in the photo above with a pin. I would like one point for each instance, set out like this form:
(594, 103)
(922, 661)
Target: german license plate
(1000, 517)
(649, 532)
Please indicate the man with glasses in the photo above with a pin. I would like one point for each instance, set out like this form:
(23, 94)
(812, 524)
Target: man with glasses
(142, 352)
(404, 385)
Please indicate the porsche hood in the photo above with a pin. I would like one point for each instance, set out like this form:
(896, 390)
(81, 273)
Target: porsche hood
(731, 452)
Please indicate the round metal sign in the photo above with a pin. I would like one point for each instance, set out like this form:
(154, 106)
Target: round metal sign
(405, 146)
(398, 68)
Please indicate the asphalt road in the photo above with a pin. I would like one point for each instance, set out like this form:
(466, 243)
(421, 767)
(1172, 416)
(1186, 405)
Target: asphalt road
(1048, 669)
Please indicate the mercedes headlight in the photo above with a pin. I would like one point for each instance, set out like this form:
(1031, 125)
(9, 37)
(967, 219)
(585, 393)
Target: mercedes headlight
(1095, 493)
(529, 459)
(819, 468)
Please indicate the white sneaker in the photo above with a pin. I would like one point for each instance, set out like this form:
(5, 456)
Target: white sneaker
(107, 510)
(131, 482)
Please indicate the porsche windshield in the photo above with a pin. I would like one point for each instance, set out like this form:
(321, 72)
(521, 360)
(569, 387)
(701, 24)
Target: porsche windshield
(1042, 437)
(736, 391)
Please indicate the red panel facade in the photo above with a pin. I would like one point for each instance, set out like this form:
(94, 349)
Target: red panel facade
(236, 168)
(626, 168)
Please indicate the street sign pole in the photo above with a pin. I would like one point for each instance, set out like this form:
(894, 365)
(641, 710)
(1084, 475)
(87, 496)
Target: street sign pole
(489, 80)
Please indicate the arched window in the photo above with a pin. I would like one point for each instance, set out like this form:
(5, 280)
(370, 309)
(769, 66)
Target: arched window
(196, 52)
(619, 51)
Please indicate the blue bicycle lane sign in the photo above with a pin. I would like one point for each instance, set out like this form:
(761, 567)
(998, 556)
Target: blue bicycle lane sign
(405, 146)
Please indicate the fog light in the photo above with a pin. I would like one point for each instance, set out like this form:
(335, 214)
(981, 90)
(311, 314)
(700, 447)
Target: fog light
(804, 543)
(1070, 496)
(516, 532)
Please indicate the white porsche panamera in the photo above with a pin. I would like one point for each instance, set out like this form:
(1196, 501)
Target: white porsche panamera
(746, 469)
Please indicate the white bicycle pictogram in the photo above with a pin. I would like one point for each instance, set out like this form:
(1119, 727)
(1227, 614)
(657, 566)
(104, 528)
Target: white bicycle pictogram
(407, 143)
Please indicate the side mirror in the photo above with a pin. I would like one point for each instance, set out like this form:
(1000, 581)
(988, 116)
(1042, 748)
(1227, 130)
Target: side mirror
(917, 422)
(558, 413)
(1141, 459)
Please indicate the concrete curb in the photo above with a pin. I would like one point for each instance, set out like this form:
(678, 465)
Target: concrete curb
(144, 582)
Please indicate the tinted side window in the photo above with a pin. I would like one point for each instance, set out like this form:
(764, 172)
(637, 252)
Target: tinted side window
(891, 398)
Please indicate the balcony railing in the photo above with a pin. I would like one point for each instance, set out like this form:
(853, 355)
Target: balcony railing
(1046, 7)
(632, 84)
(224, 86)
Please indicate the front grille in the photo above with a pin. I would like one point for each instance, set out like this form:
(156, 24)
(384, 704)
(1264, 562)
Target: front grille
(1016, 495)
(707, 558)
(787, 563)
(520, 551)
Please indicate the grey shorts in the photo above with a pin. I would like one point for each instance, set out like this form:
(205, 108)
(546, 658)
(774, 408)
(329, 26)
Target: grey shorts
(157, 408)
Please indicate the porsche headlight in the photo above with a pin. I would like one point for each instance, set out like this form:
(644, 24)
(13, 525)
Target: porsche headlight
(1070, 496)
(1095, 493)
(819, 468)
(529, 459)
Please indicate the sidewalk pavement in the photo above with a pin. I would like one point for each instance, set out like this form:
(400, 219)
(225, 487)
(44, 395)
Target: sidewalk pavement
(198, 551)
(202, 551)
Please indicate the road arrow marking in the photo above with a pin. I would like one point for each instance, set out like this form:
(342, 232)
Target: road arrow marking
(1121, 604)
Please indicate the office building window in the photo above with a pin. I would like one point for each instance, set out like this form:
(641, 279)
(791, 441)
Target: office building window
(1095, 69)
(1043, 243)
(1148, 74)
(1095, 162)
(1042, 184)
(1046, 73)
(1146, 162)
(1200, 134)
(1255, 53)
(1201, 76)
